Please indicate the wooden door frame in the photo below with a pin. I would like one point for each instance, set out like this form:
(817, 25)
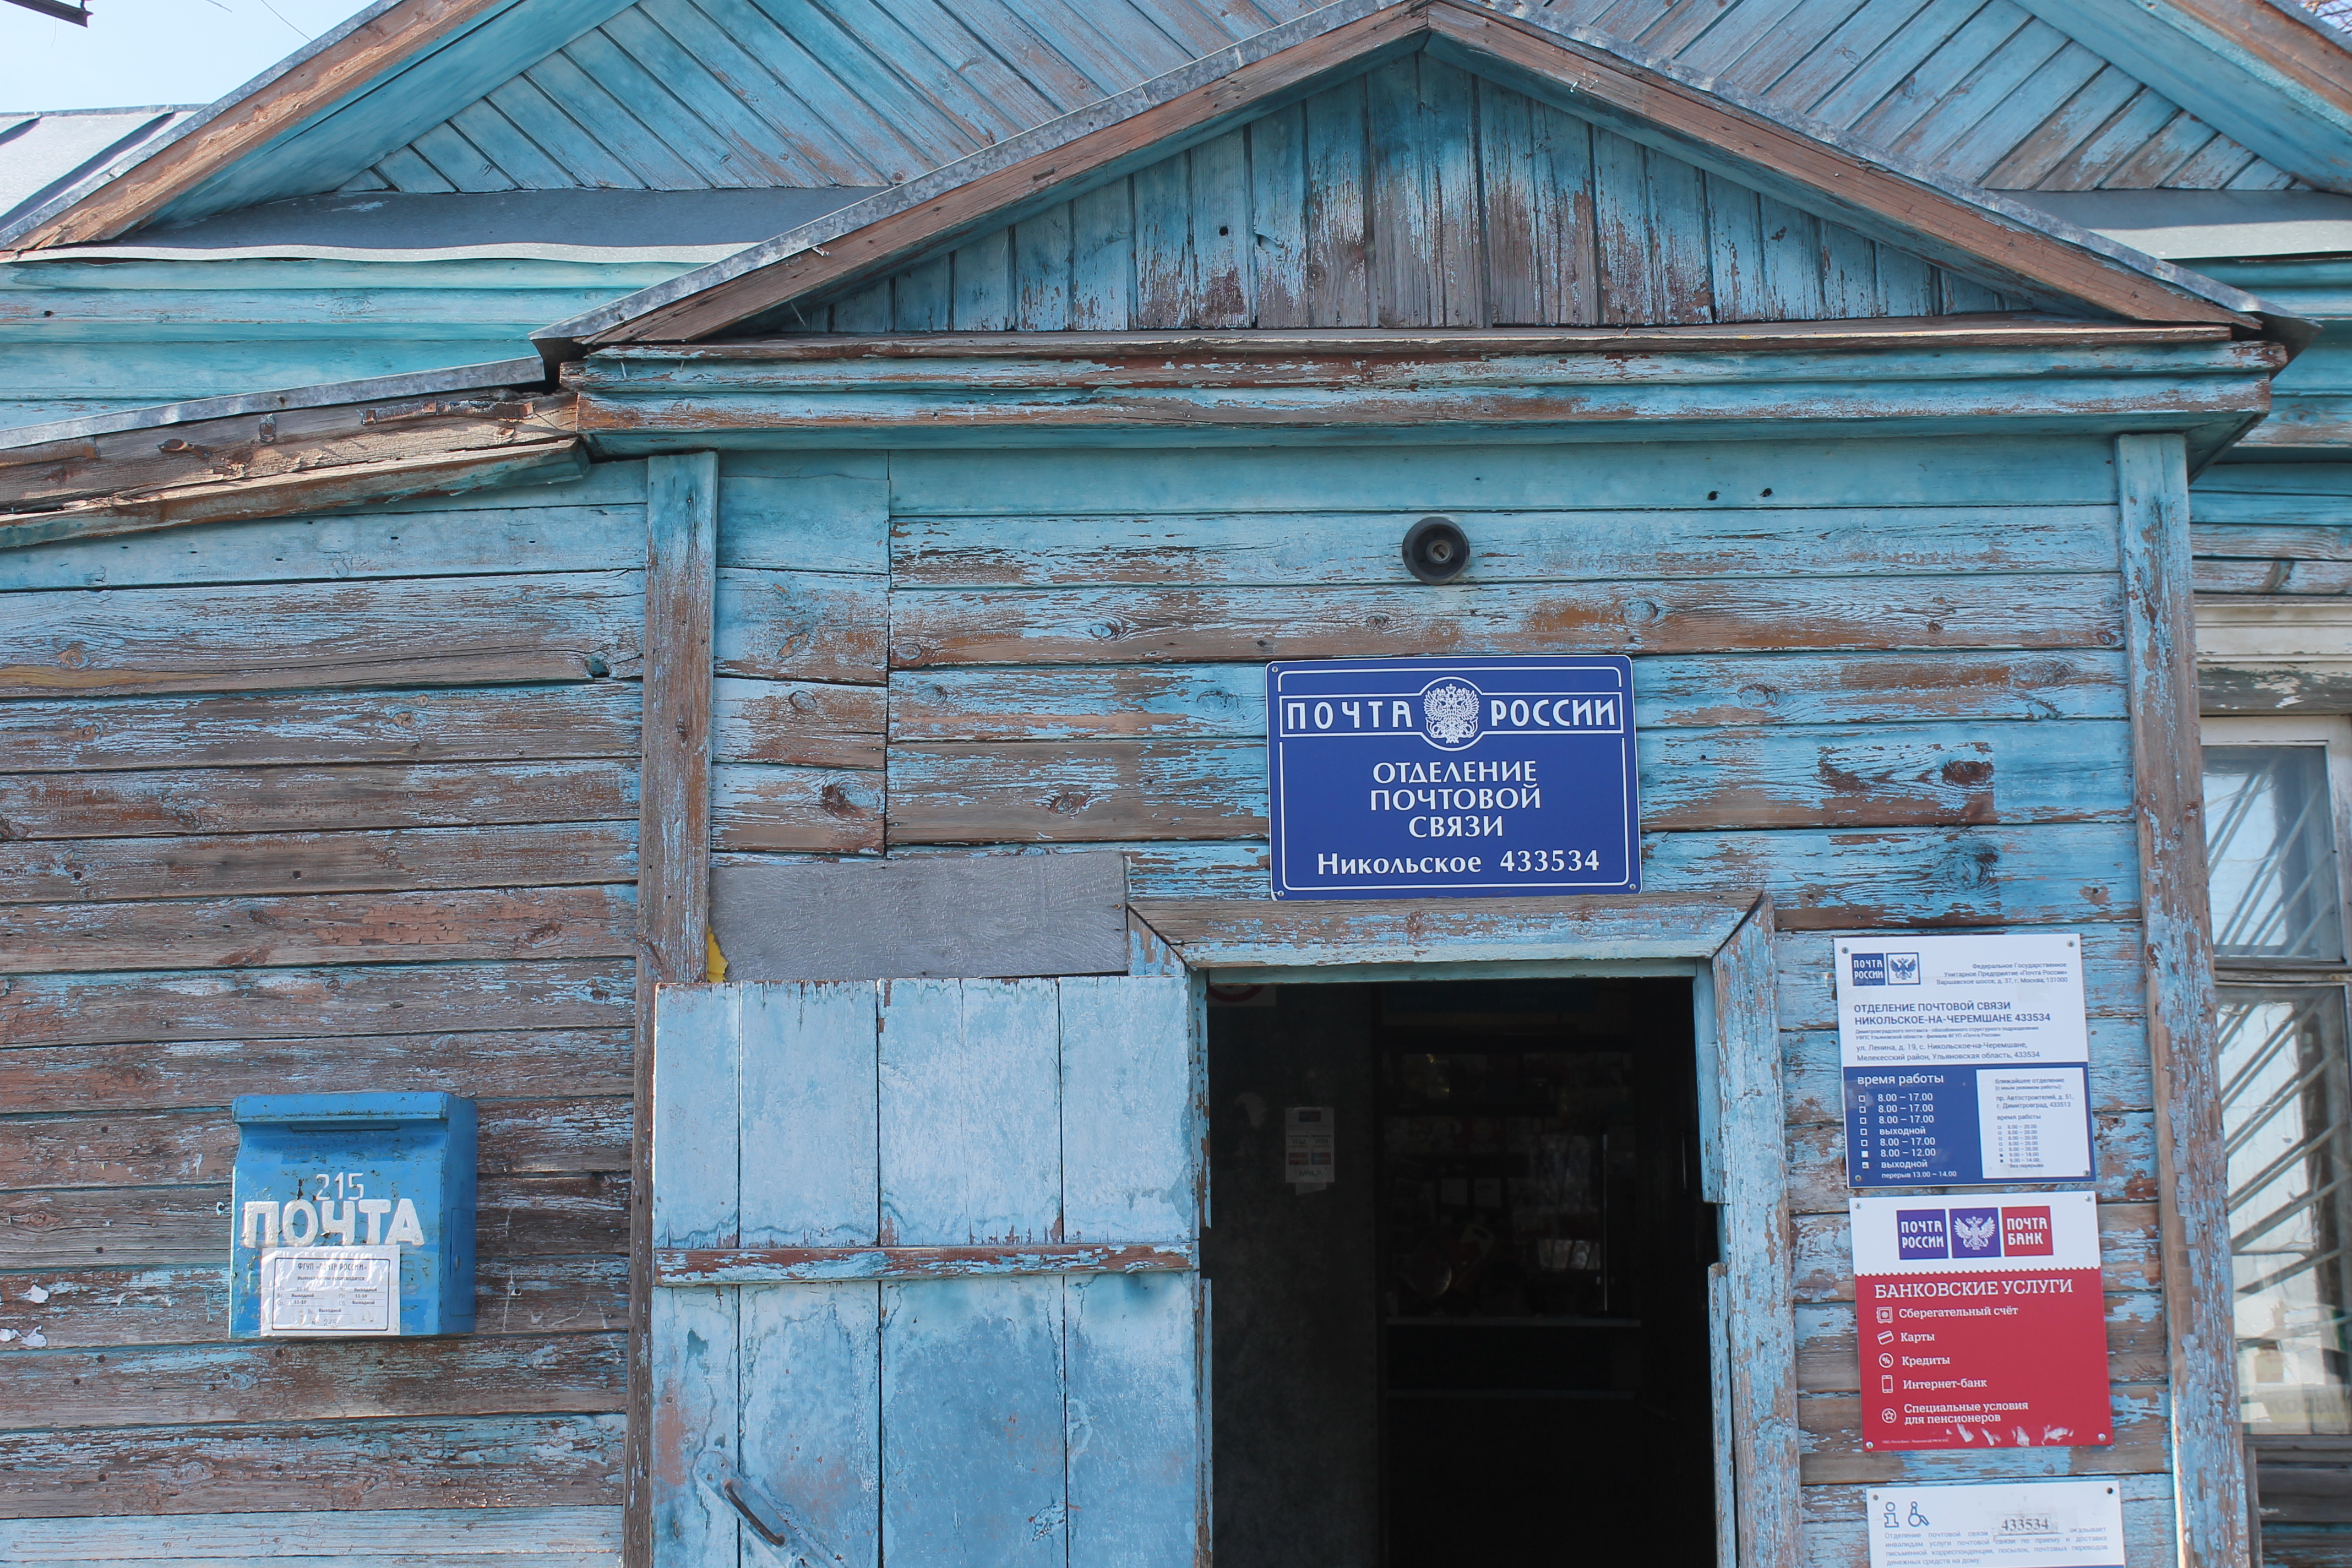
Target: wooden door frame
(1725, 944)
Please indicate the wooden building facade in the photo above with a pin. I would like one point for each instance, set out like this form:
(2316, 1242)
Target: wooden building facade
(701, 732)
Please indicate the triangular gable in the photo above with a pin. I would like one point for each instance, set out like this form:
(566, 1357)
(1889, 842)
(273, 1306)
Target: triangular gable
(1414, 195)
(2005, 247)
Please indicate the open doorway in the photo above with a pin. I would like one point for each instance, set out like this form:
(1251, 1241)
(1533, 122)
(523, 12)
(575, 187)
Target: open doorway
(1458, 1259)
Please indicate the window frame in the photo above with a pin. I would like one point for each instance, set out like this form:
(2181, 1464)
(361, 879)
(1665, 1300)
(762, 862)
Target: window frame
(2332, 732)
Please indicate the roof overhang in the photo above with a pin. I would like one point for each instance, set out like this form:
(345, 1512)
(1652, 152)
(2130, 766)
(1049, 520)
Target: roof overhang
(1951, 375)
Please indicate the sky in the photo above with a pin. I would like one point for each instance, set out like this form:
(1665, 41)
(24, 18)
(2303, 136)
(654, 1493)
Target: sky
(153, 51)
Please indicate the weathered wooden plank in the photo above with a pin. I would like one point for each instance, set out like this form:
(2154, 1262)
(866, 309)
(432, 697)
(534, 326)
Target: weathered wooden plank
(1834, 1451)
(2129, 1260)
(1629, 292)
(1827, 1359)
(1082, 626)
(1279, 197)
(2119, 1079)
(1136, 1436)
(802, 1265)
(1817, 472)
(1402, 222)
(543, 529)
(1041, 275)
(339, 474)
(799, 626)
(1348, 548)
(566, 1216)
(539, 923)
(1217, 933)
(94, 1309)
(585, 1536)
(1339, 218)
(807, 1095)
(2123, 1146)
(983, 283)
(1756, 1252)
(252, 1381)
(1131, 1138)
(693, 1379)
(294, 800)
(687, 604)
(819, 810)
(447, 631)
(819, 519)
(1828, 880)
(970, 1124)
(2200, 1300)
(1912, 776)
(1166, 282)
(497, 724)
(95, 870)
(1225, 254)
(1228, 701)
(797, 724)
(1102, 258)
(526, 1461)
(972, 916)
(148, 1149)
(811, 1416)
(340, 1001)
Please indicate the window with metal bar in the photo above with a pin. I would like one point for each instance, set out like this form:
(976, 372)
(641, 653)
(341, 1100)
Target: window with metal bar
(2274, 811)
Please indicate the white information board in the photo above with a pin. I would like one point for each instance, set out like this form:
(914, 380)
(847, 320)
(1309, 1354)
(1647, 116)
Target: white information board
(1307, 1147)
(331, 1292)
(1999, 1524)
(1965, 1059)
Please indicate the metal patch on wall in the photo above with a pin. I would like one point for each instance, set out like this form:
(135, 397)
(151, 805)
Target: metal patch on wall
(1394, 778)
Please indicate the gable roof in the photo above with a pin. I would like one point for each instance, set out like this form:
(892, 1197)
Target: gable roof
(2064, 94)
(2009, 246)
(488, 95)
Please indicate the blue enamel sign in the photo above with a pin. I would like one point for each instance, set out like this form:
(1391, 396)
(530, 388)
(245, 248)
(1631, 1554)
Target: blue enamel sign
(1396, 778)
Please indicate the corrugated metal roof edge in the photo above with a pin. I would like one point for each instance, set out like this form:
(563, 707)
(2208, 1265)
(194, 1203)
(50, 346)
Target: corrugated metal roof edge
(563, 337)
(529, 372)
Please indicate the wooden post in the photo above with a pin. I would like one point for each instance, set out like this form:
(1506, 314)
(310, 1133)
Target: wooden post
(673, 868)
(2193, 1190)
(1758, 1245)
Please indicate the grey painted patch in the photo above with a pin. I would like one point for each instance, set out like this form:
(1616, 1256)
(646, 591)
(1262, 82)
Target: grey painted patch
(2178, 225)
(561, 225)
(979, 917)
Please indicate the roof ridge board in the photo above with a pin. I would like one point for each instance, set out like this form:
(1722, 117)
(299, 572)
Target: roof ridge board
(1054, 134)
(600, 326)
(2004, 204)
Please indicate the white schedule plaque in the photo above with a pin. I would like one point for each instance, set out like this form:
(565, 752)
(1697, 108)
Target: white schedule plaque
(1965, 1059)
(331, 1292)
(2001, 1524)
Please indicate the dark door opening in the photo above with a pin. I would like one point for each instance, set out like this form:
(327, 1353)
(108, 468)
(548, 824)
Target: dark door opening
(1481, 1327)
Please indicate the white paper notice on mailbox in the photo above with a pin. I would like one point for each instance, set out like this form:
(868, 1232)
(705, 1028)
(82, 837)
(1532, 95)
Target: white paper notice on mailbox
(1926, 1001)
(331, 1292)
(1999, 1524)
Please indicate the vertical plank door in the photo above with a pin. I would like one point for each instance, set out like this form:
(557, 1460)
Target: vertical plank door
(926, 1267)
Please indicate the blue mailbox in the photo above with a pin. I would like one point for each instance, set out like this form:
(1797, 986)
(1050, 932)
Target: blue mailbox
(352, 1216)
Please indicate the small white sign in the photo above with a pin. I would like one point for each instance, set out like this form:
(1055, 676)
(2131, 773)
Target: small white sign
(1306, 1146)
(331, 1292)
(1925, 1001)
(2001, 1524)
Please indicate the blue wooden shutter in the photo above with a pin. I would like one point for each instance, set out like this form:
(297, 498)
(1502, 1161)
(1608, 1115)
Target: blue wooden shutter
(926, 1289)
